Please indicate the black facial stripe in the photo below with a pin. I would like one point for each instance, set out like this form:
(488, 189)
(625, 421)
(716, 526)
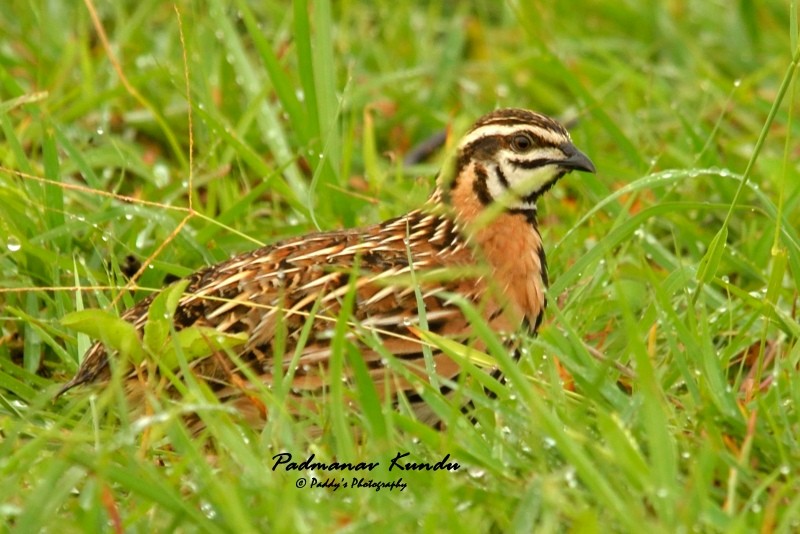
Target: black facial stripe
(530, 163)
(483, 148)
(501, 176)
(531, 198)
(480, 185)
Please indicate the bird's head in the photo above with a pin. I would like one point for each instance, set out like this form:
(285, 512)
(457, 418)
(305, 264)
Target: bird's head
(515, 155)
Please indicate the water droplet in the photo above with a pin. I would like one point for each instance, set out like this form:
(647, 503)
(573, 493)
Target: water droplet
(548, 442)
(476, 473)
(569, 476)
(13, 244)
(100, 131)
(208, 510)
(161, 174)
(737, 83)
(785, 470)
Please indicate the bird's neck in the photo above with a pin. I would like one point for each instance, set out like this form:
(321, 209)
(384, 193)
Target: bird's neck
(508, 240)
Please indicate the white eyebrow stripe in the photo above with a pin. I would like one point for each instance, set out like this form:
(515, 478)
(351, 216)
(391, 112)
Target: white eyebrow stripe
(506, 129)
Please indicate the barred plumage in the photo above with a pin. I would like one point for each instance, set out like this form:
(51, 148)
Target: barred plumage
(510, 156)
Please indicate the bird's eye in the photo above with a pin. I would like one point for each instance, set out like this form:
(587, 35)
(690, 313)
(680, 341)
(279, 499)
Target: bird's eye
(521, 143)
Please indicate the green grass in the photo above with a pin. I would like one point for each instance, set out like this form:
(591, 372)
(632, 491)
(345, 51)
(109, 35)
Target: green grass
(662, 391)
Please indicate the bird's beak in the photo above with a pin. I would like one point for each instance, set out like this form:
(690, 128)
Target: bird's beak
(576, 160)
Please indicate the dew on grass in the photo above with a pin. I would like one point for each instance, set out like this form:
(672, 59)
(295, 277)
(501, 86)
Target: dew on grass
(13, 244)
(569, 476)
(785, 470)
(463, 506)
(9, 510)
(548, 442)
(476, 473)
(208, 510)
(161, 174)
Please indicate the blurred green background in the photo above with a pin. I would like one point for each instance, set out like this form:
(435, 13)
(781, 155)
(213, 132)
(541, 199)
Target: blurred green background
(662, 390)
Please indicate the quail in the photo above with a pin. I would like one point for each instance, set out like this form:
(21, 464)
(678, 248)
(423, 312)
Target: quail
(476, 237)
